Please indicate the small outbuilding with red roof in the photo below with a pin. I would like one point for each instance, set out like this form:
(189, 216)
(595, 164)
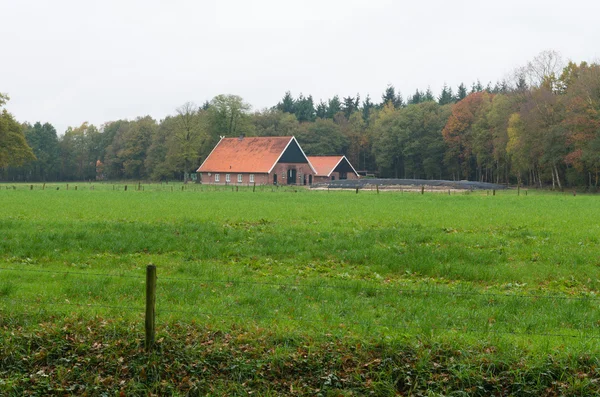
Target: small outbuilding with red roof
(330, 168)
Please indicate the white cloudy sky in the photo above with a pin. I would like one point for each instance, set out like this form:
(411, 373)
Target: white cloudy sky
(67, 61)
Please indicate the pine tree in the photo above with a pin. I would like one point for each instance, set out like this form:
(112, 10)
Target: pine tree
(428, 97)
(399, 103)
(287, 104)
(462, 92)
(446, 97)
(417, 97)
(389, 96)
(304, 109)
(321, 111)
(333, 107)
(349, 107)
(366, 109)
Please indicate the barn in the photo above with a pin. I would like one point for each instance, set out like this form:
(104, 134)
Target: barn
(330, 168)
(257, 160)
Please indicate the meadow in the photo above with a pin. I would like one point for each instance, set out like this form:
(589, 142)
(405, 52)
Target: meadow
(481, 291)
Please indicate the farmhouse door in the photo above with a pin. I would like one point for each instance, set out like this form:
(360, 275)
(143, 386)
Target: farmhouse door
(291, 176)
(274, 179)
(310, 180)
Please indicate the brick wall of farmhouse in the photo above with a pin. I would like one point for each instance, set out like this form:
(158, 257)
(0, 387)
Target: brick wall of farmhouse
(349, 175)
(281, 170)
(259, 179)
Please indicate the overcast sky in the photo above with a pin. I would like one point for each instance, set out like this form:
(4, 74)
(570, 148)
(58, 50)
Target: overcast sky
(66, 62)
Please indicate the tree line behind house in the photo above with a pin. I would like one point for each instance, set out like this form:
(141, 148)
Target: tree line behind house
(539, 127)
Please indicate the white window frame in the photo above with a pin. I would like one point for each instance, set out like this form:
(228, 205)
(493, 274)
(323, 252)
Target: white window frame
(240, 178)
(227, 178)
(251, 178)
(217, 178)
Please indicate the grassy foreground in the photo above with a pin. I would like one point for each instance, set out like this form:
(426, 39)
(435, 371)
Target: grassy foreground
(298, 292)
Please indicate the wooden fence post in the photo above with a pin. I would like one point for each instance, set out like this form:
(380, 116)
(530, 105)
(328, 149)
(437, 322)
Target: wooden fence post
(422, 189)
(150, 306)
(377, 187)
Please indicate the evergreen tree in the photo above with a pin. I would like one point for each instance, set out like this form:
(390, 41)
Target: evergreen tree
(462, 92)
(304, 109)
(489, 88)
(287, 104)
(349, 107)
(476, 87)
(334, 106)
(366, 109)
(389, 96)
(521, 84)
(428, 96)
(417, 97)
(399, 101)
(321, 111)
(446, 97)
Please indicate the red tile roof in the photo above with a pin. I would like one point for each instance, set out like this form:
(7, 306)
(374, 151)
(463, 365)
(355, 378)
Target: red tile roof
(324, 165)
(248, 154)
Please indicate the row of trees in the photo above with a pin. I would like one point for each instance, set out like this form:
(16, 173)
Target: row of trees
(540, 127)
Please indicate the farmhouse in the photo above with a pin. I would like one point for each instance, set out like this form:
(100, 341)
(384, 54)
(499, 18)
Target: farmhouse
(260, 160)
(266, 160)
(332, 168)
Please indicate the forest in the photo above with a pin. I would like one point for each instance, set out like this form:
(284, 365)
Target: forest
(538, 127)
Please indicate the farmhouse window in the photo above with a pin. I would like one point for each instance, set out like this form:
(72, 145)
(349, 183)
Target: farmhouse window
(239, 178)
(217, 178)
(227, 178)
(251, 178)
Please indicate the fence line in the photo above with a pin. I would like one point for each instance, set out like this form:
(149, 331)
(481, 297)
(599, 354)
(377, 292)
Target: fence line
(59, 303)
(408, 291)
(69, 272)
(306, 320)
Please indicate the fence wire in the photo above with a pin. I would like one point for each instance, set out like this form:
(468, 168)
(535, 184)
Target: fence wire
(391, 288)
(581, 331)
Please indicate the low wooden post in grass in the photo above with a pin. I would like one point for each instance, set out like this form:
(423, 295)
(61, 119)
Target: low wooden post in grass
(254, 187)
(75, 187)
(125, 187)
(377, 186)
(356, 190)
(150, 306)
(494, 192)
(30, 187)
(422, 189)
(67, 186)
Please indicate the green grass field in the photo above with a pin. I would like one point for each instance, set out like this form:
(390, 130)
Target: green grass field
(506, 280)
